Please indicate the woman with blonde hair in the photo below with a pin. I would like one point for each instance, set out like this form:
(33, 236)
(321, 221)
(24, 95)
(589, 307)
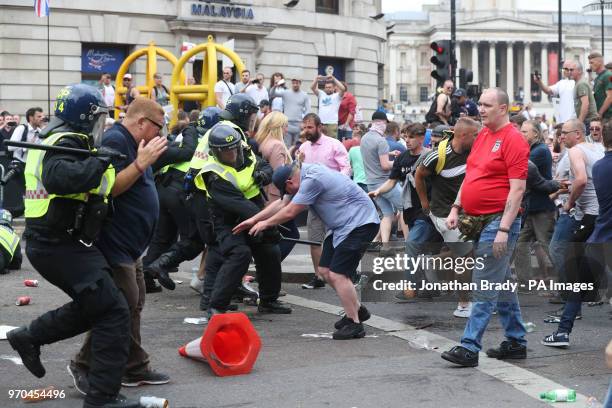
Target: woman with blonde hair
(270, 138)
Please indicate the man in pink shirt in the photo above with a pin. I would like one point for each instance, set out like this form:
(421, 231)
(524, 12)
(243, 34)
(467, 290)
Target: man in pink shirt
(331, 153)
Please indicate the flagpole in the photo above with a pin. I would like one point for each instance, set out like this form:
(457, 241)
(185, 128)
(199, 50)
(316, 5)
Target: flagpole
(48, 67)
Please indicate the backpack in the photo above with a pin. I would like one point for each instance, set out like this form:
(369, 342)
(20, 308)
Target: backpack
(441, 155)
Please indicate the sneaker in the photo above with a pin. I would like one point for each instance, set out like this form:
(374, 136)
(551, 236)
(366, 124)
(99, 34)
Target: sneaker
(23, 343)
(461, 356)
(149, 377)
(197, 284)
(315, 283)
(556, 340)
(463, 311)
(150, 285)
(274, 307)
(79, 377)
(350, 330)
(363, 315)
(508, 350)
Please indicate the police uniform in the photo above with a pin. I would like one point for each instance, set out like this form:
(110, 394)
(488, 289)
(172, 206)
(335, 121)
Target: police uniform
(234, 195)
(9, 244)
(66, 202)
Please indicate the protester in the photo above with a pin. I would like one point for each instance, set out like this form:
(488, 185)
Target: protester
(224, 88)
(296, 104)
(28, 132)
(329, 102)
(346, 114)
(159, 93)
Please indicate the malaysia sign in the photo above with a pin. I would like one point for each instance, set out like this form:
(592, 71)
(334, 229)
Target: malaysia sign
(222, 11)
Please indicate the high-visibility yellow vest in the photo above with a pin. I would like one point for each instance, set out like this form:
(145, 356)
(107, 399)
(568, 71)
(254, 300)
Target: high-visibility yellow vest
(201, 152)
(8, 239)
(242, 180)
(37, 199)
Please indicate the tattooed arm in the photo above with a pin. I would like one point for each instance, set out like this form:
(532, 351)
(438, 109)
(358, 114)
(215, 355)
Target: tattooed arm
(513, 202)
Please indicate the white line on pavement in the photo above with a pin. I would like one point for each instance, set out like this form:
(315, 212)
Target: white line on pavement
(523, 380)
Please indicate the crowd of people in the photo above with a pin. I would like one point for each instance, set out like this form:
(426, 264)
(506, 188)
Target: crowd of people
(229, 181)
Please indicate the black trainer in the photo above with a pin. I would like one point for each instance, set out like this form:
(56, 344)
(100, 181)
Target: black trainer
(461, 356)
(79, 377)
(149, 377)
(508, 350)
(274, 307)
(22, 341)
(350, 330)
(150, 285)
(363, 314)
(99, 400)
(315, 283)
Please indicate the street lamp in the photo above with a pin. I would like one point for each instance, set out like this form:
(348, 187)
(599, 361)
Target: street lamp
(599, 6)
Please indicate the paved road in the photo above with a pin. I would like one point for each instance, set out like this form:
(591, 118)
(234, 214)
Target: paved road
(386, 369)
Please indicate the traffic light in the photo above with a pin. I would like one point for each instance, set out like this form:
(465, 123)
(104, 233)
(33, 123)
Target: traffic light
(442, 61)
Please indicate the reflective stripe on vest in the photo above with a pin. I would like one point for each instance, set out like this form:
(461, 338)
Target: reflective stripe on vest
(242, 180)
(37, 198)
(200, 156)
(8, 239)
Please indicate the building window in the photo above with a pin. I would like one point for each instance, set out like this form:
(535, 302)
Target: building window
(423, 94)
(403, 94)
(402, 59)
(328, 6)
(335, 66)
(424, 59)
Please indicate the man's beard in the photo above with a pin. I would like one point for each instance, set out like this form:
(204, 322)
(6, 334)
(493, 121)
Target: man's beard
(313, 137)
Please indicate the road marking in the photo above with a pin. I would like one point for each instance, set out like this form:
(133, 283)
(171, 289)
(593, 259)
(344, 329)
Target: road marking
(523, 380)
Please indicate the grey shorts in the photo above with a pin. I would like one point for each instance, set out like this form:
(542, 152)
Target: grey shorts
(316, 227)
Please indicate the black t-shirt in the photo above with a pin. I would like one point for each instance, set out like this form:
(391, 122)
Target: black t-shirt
(445, 186)
(403, 165)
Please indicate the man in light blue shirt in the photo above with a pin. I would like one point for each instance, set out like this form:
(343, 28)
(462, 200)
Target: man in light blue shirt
(348, 214)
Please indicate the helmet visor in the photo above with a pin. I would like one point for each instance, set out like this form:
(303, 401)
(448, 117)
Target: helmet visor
(98, 128)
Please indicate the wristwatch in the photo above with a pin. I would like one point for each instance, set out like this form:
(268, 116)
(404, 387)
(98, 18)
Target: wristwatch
(506, 230)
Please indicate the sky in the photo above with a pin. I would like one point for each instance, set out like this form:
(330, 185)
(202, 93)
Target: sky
(389, 6)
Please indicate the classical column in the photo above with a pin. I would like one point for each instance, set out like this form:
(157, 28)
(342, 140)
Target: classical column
(510, 69)
(544, 66)
(475, 61)
(585, 61)
(458, 55)
(527, 72)
(492, 82)
(392, 72)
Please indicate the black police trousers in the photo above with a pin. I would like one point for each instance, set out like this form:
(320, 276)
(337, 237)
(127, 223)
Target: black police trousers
(97, 306)
(227, 261)
(173, 218)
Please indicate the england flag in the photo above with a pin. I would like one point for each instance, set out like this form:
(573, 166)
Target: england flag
(41, 8)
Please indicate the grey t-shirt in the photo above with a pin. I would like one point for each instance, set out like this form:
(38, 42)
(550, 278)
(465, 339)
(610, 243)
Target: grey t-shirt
(296, 104)
(336, 199)
(373, 145)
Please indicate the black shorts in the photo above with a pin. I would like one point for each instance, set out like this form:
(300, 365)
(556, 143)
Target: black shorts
(344, 259)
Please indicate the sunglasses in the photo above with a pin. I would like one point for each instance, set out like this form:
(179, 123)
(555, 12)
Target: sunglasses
(159, 126)
(568, 69)
(595, 128)
(567, 132)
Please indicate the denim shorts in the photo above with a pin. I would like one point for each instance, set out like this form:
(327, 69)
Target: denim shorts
(389, 202)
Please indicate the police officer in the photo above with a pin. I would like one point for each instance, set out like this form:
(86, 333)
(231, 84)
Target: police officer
(65, 205)
(9, 244)
(240, 114)
(192, 240)
(231, 178)
(173, 214)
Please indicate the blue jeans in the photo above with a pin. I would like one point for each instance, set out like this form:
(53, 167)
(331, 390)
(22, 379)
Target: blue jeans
(344, 134)
(608, 402)
(571, 309)
(563, 233)
(494, 270)
(421, 236)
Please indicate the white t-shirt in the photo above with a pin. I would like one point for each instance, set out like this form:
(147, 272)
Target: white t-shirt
(328, 107)
(257, 94)
(564, 100)
(226, 88)
(108, 92)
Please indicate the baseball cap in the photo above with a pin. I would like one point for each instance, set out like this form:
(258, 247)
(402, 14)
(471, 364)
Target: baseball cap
(127, 76)
(280, 177)
(439, 130)
(379, 115)
(459, 92)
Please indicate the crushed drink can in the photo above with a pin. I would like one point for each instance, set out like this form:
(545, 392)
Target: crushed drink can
(33, 283)
(23, 300)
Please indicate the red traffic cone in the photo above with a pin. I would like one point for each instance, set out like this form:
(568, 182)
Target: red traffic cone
(230, 345)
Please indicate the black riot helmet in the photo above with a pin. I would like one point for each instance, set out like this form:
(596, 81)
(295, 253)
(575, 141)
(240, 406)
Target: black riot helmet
(221, 141)
(239, 109)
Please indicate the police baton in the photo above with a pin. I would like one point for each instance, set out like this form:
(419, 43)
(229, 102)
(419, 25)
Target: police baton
(62, 149)
(297, 241)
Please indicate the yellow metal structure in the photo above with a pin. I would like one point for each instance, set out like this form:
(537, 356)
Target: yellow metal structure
(205, 92)
(151, 52)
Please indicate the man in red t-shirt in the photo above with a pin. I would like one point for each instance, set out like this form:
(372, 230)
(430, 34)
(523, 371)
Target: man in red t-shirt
(494, 185)
(346, 115)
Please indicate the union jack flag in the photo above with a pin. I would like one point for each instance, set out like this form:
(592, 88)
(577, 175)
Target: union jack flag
(41, 8)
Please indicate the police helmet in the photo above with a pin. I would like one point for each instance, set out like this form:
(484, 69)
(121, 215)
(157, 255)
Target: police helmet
(238, 109)
(208, 118)
(224, 137)
(6, 218)
(82, 109)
